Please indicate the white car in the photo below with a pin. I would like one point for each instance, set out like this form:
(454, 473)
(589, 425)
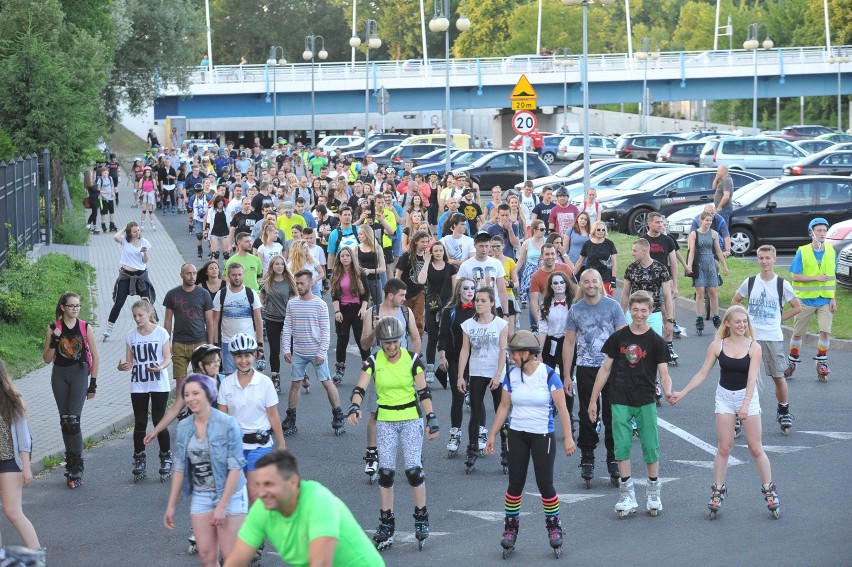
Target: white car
(571, 148)
(330, 142)
(203, 145)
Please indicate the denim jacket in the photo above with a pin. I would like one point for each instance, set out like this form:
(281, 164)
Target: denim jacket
(22, 441)
(226, 450)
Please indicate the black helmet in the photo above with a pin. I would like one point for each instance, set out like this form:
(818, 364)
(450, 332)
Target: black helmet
(524, 340)
(561, 192)
(200, 352)
(198, 188)
(433, 172)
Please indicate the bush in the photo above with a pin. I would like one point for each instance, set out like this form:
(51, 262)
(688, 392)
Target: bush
(73, 229)
(7, 148)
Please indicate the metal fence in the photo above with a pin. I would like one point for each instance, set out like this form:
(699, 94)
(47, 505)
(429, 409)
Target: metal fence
(20, 198)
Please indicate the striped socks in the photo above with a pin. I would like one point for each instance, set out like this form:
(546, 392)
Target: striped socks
(512, 505)
(550, 505)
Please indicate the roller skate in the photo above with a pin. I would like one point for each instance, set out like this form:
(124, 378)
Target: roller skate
(306, 384)
(699, 325)
(421, 526)
(511, 525)
(554, 534)
(504, 448)
(430, 373)
(627, 504)
(258, 555)
(717, 321)
(467, 400)
(822, 367)
(200, 251)
(672, 356)
(165, 466)
(482, 440)
(73, 470)
(738, 428)
(112, 227)
(139, 466)
(454, 442)
(289, 423)
(383, 537)
(717, 494)
(785, 419)
(587, 467)
(339, 370)
(653, 503)
(612, 469)
(193, 547)
(372, 464)
(634, 427)
(470, 461)
(337, 421)
(107, 331)
(104, 228)
(678, 331)
(276, 381)
(771, 497)
(792, 361)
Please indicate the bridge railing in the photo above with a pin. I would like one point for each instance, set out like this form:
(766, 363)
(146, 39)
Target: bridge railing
(495, 66)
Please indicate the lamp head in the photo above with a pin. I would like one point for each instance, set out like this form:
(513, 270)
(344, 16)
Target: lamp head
(323, 54)
(307, 55)
(463, 23)
(355, 41)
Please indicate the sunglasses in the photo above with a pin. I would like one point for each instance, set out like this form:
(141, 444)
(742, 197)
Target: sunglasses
(540, 229)
(600, 230)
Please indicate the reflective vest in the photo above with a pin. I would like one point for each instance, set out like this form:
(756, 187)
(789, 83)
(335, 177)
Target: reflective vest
(810, 267)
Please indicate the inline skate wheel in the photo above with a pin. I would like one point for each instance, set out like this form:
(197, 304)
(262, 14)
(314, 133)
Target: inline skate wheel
(482, 452)
(508, 552)
(193, 549)
(653, 512)
(821, 378)
(588, 482)
(613, 480)
(420, 544)
(776, 514)
(468, 470)
(138, 478)
(505, 469)
(712, 514)
(373, 477)
(339, 431)
(451, 454)
(785, 431)
(557, 551)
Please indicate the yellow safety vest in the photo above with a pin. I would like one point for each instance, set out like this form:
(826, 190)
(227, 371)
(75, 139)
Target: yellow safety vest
(810, 267)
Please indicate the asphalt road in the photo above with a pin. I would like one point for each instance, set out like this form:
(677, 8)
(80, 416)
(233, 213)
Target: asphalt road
(117, 522)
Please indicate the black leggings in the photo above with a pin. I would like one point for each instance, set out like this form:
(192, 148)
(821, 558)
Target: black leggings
(432, 326)
(273, 333)
(542, 448)
(478, 385)
(121, 294)
(457, 407)
(351, 323)
(556, 360)
(589, 438)
(95, 206)
(140, 418)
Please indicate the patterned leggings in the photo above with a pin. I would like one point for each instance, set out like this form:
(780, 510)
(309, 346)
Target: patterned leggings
(391, 434)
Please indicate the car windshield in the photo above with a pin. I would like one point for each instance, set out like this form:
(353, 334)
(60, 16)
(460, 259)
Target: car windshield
(638, 180)
(750, 193)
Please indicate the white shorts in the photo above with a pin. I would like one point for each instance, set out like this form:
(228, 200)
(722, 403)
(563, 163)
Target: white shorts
(149, 198)
(730, 401)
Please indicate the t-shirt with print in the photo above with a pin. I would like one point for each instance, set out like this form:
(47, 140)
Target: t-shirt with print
(236, 313)
(147, 350)
(764, 308)
(484, 345)
(458, 249)
(409, 273)
(340, 236)
(562, 218)
(592, 326)
(532, 403)
(484, 273)
(528, 203)
(188, 308)
(661, 247)
(201, 473)
(632, 381)
(471, 212)
(598, 257)
(650, 279)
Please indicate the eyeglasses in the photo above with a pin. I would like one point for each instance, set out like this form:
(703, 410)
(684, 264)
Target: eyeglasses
(540, 229)
(600, 230)
(72, 306)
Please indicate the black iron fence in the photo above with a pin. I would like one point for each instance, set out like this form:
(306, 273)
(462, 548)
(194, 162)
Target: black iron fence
(21, 204)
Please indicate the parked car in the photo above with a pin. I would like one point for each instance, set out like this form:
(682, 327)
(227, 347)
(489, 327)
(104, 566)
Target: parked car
(828, 162)
(806, 131)
(627, 211)
(843, 268)
(456, 140)
(814, 146)
(706, 134)
(458, 158)
(571, 147)
(375, 147)
(777, 211)
(403, 154)
(758, 154)
(681, 152)
(644, 146)
(836, 137)
(516, 142)
(551, 148)
(570, 172)
(330, 142)
(604, 181)
(840, 234)
(383, 159)
(504, 168)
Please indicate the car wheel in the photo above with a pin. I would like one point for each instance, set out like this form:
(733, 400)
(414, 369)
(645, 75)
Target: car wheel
(548, 157)
(579, 157)
(742, 241)
(637, 222)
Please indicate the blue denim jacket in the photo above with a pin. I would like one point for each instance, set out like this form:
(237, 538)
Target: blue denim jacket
(226, 449)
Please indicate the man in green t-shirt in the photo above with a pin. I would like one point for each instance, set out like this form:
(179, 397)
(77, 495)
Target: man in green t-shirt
(251, 263)
(305, 522)
(288, 219)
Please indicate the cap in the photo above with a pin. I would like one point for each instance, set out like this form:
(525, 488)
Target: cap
(481, 236)
(266, 203)
(289, 206)
(467, 191)
(148, 168)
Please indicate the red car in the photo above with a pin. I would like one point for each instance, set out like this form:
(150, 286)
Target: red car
(516, 142)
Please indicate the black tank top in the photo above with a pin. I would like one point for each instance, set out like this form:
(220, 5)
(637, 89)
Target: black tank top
(734, 371)
(369, 261)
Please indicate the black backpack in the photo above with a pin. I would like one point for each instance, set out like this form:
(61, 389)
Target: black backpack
(779, 283)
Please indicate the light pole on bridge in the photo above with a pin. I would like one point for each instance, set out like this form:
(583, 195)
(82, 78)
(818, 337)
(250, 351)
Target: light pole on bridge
(644, 54)
(273, 63)
(838, 57)
(308, 55)
(753, 44)
(560, 59)
(371, 41)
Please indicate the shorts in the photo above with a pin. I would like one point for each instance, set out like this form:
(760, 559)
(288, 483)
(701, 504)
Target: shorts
(655, 321)
(388, 255)
(772, 356)
(107, 206)
(9, 466)
(300, 366)
(198, 228)
(396, 246)
(252, 455)
(370, 403)
(513, 305)
(730, 401)
(824, 319)
(206, 502)
(646, 427)
(149, 198)
(168, 187)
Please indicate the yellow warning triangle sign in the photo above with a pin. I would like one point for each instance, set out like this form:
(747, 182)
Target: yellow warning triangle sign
(523, 90)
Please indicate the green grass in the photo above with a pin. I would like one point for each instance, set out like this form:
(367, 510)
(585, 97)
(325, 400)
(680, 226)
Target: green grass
(125, 144)
(37, 287)
(739, 270)
(51, 462)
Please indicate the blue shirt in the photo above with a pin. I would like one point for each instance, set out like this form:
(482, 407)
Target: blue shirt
(226, 450)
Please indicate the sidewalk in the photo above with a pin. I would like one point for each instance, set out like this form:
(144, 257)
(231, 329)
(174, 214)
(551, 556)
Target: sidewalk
(110, 409)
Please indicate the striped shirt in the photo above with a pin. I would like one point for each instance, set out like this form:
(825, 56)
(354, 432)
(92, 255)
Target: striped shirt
(306, 322)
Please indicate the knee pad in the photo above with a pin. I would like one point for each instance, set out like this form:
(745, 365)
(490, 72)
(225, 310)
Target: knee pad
(199, 238)
(70, 424)
(386, 477)
(226, 255)
(216, 255)
(415, 476)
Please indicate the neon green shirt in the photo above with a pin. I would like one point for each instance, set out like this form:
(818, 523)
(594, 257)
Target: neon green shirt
(286, 224)
(252, 267)
(319, 513)
(394, 383)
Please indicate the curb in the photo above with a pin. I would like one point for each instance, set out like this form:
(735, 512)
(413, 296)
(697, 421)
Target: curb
(98, 433)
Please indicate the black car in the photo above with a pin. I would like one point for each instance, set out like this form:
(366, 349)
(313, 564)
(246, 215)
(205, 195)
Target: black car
(627, 211)
(681, 152)
(644, 146)
(504, 169)
(779, 211)
(843, 267)
(827, 162)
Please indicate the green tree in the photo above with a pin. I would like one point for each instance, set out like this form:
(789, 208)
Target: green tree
(694, 31)
(489, 30)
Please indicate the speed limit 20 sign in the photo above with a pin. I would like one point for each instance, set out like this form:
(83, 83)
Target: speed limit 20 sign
(524, 122)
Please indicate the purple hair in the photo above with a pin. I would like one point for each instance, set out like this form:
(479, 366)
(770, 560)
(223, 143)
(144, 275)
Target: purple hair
(207, 384)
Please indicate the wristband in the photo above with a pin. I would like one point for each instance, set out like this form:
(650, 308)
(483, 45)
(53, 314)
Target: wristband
(54, 342)
(93, 385)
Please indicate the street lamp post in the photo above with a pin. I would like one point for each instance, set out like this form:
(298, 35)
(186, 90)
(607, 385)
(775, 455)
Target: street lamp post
(752, 44)
(585, 81)
(440, 23)
(371, 41)
(644, 54)
(272, 62)
(308, 55)
(561, 60)
(839, 56)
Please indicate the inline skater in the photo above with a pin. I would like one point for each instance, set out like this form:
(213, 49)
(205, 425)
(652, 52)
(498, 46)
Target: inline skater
(399, 424)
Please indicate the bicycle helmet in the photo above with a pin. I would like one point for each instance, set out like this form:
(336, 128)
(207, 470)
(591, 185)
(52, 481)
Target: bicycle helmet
(242, 344)
(816, 222)
(198, 188)
(561, 192)
(524, 340)
(200, 353)
(389, 329)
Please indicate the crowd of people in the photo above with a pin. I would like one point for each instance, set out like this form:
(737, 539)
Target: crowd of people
(300, 246)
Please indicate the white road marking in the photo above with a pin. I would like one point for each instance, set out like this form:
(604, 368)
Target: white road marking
(408, 537)
(487, 515)
(780, 448)
(842, 435)
(690, 438)
(644, 481)
(700, 464)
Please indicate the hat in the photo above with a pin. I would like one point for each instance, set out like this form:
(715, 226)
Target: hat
(198, 188)
(289, 206)
(481, 236)
(467, 191)
(146, 168)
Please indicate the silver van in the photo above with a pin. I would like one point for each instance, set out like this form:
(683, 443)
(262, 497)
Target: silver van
(759, 154)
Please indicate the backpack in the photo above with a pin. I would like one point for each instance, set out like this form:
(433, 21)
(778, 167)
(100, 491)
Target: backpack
(83, 333)
(779, 283)
(249, 296)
